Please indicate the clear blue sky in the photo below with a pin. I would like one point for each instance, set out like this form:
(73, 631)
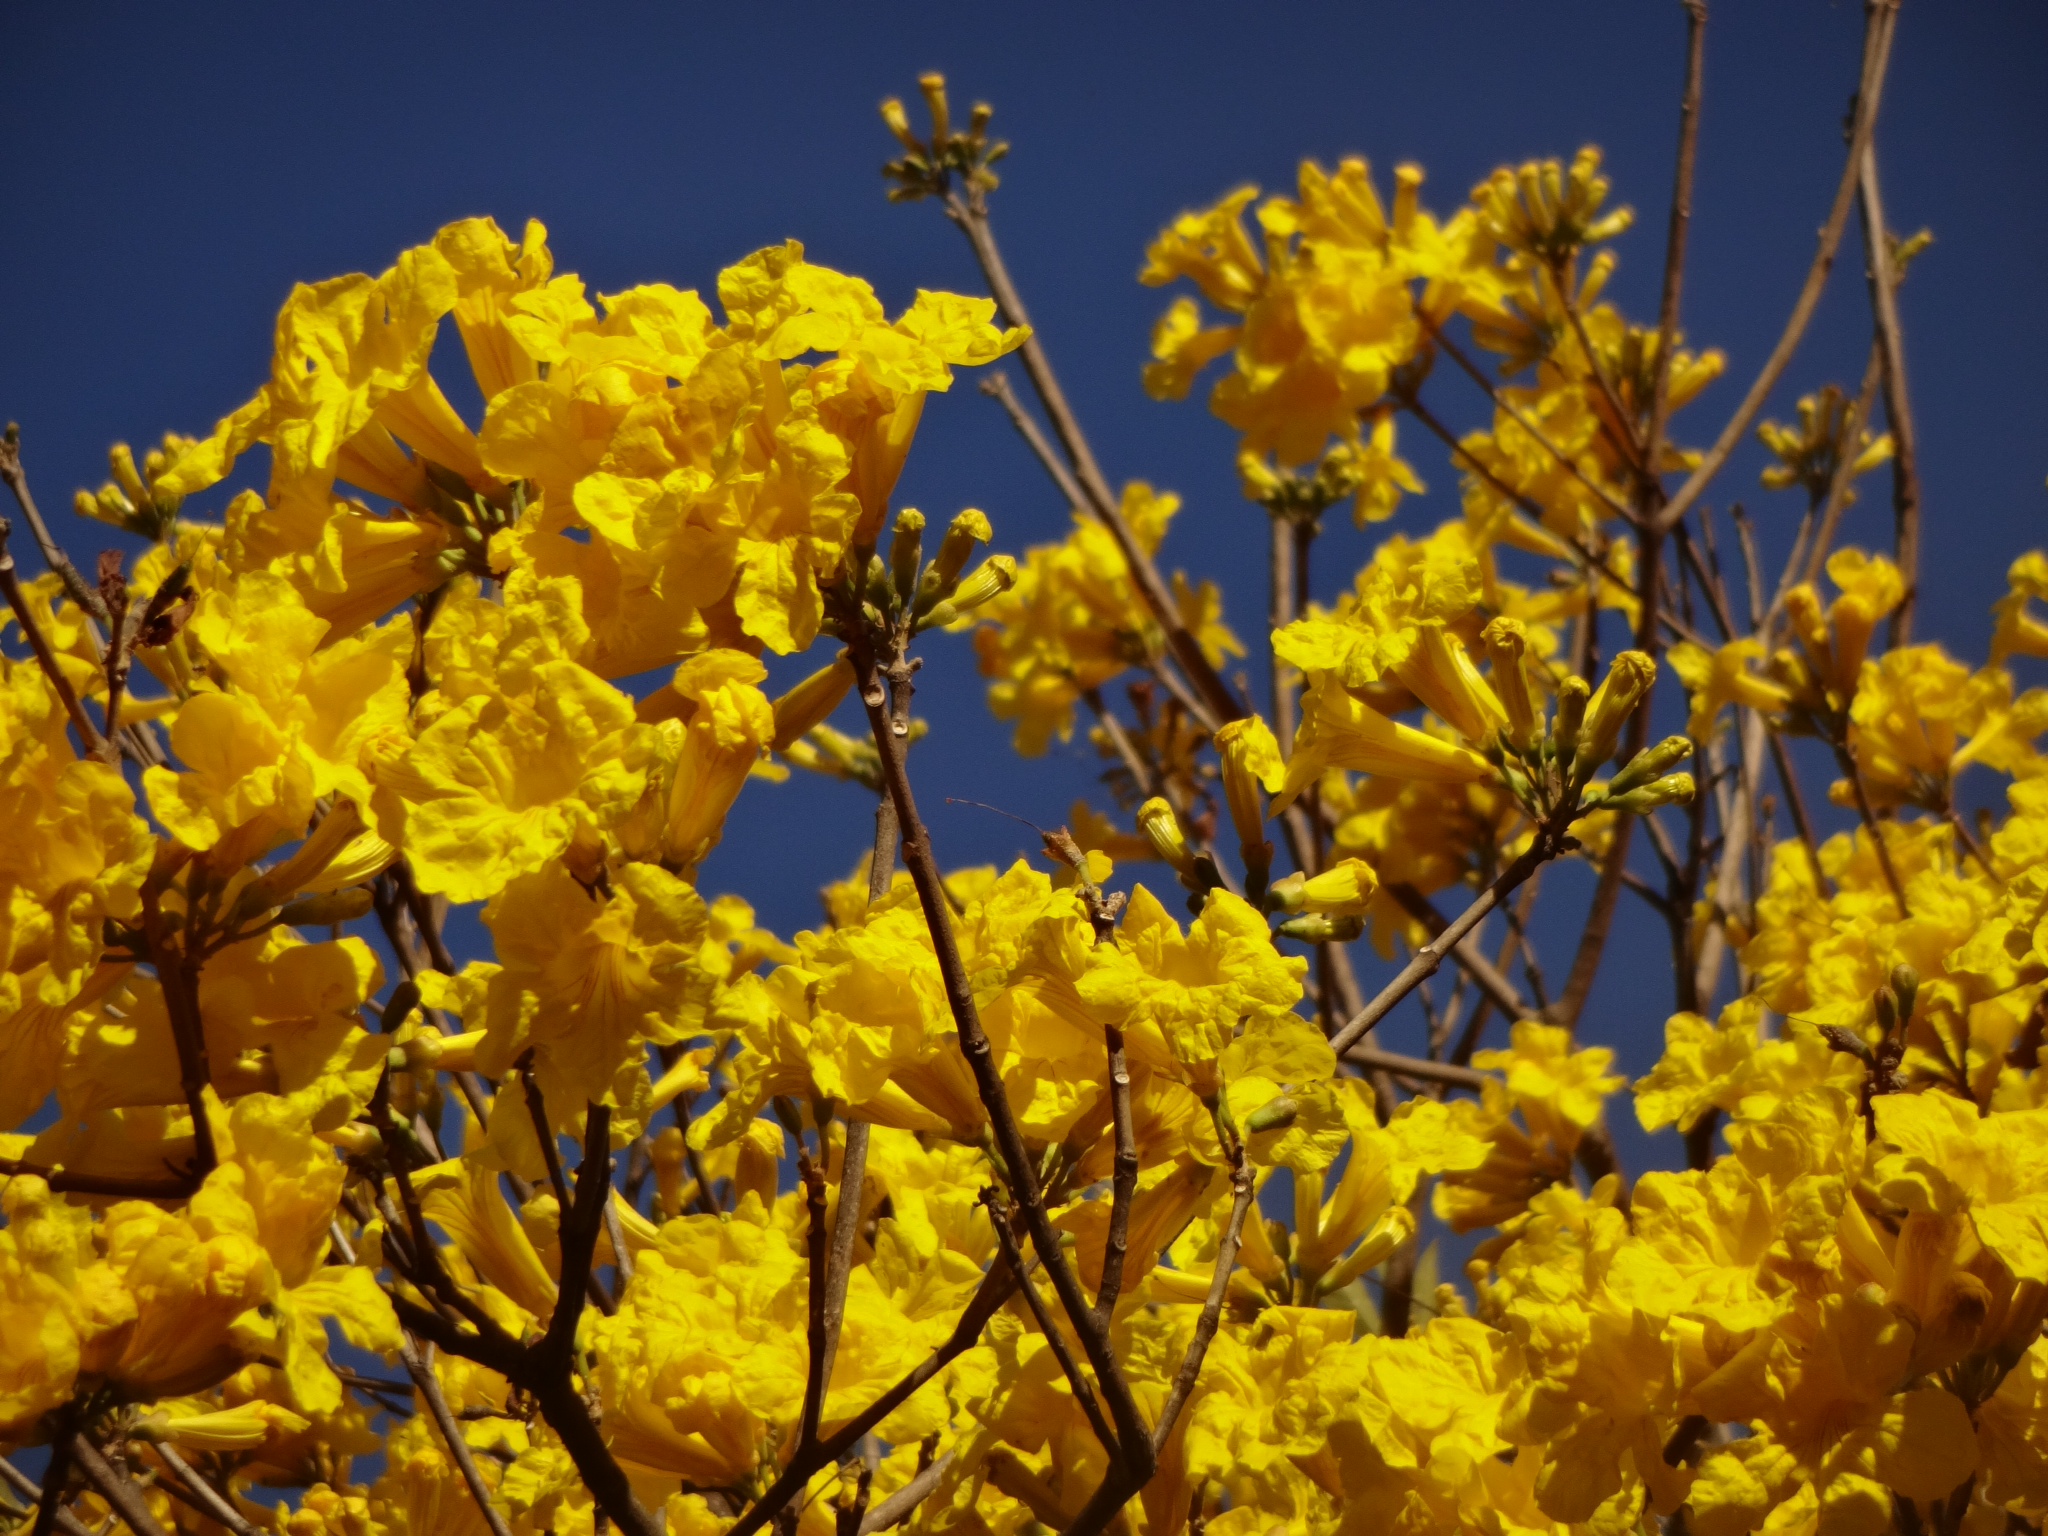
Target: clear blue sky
(170, 171)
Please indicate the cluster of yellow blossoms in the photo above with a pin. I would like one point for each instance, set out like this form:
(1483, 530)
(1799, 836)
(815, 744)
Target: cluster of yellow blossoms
(1005, 1200)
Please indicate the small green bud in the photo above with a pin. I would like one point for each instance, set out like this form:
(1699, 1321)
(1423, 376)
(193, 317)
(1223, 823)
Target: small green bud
(1650, 764)
(1672, 789)
(1322, 928)
(1274, 1115)
(331, 907)
(906, 552)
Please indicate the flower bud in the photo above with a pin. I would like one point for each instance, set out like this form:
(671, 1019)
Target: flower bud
(1906, 987)
(1321, 928)
(1161, 828)
(906, 551)
(1672, 789)
(1506, 639)
(993, 577)
(1572, 694)
(934, 88)
(1348, 886)
(1628, 678)
(1439, 673)
(968, 529)
(1651, 764)
(811, 702)
(122, 459)
(897, 121)
(1251, 766)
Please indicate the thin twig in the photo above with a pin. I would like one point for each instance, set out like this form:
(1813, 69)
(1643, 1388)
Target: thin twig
(30, 1490)
(816, 1242)
(1837, 499)
(1448, 1073)
(1471, 959)
(16, 477)
(1898, 409)
(1017, 1163)
(1242, 1188)
(1077, 1379)
(116, 1489)
(422, 1374)
(1546, 845)
(1675, 243)
(971, 216)
(91, 742)
(1123, 1179)
(1877, 42)
(212, 1498)
(897, 1508)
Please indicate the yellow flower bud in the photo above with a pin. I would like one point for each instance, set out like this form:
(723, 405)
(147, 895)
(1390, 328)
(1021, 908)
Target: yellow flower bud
(969, 528)
(1322, 928)
(1161, 828)
(1348, 886)
(1506, 640)
(1650, 764)
(1251, 767)
(906, 551)
(993, 577)
(811, 702)
(122, 459)
(934, 88)
(1628, 678)
(1672, 789)
(897, 121)
(1572, 694)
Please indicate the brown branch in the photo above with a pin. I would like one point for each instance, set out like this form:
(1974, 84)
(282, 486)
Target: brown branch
(1448, 1073)
(1123, 1180)
(1898, 410)
(995, 1289)
(30, 1490)
(1675, 240)
(1877, 42)
(1077, 1379)
(1212, 1307)
(210, 1498)
(971, 215)
(1496, 987)
(897, 1508)
(91, 742)
(116, 1489)
(1853, 772)
(1795, 801)
(816, 1242)
(75, 586)
(1547, 844)
(1017, 1163)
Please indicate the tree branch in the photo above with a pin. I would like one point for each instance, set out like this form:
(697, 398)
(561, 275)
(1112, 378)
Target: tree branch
(1877, 42)
(117, 1490)
(1898, 409)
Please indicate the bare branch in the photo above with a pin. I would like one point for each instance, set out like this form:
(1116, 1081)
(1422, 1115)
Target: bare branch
(1674, 238)
(116, 1489)
(1123, 1181)
(897, 1508)
(27, 1487)
(1898, 409)
(215, 1502)
(76, 587)
(1449, 1074)
(91, 742)
(1881, 15)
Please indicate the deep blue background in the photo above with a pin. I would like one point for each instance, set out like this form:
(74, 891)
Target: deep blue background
(169, 172)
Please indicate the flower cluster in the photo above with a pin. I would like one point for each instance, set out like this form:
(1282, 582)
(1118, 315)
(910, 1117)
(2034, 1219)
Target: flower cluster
(1035, 1197)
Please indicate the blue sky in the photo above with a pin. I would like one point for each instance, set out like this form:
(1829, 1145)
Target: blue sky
(171, 171)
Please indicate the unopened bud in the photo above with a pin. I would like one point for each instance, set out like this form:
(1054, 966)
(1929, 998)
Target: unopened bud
(1572, 694)
(1321, 928)
(968, 529)
(1628, 678)
(1251, 764)
(1672, 789)
(1161, 828)
(1346, 887)
(122, 459)
(1506, 639)
(1650, 764)
(934, 88)
(906, 551)
(993, 577)
(1906, 986)
(334, 907)
(897, 121)
(811, 702)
